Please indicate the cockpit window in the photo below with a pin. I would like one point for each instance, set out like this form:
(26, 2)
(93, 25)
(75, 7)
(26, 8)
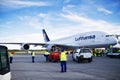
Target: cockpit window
(107, 35)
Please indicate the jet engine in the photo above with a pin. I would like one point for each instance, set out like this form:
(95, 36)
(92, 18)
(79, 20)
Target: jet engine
(25, 46)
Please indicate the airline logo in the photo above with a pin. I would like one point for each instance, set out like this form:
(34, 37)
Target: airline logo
(85, 37)
(45, 36)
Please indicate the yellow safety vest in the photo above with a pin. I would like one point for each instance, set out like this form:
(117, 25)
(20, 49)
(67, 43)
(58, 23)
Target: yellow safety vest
(33, 53)
(119, 50)
(47, 53)
(111, 46)
(10, 54)
(63, 56)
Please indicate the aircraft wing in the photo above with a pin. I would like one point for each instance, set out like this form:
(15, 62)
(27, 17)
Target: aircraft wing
(42, 44)
(25, 46)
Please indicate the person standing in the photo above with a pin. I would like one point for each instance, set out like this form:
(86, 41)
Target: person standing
(11, 56)
(33, 56)
(63, 61)
(47, 55)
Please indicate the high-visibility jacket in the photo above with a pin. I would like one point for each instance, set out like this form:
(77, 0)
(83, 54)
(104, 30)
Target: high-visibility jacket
(119, 50)
(33, 53)
(99, 51)
(47, 53)
(63, 56)
(111, 46)
(11, 54)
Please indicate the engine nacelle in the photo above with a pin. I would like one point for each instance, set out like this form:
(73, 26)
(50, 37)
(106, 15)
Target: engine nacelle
(25, 46)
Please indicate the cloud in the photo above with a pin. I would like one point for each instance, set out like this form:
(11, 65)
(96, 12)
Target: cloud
(40, 21)
(105, 11)
(35, 23)
(92, 25)
(68, 8)
(42, 15)
(16, 4)
(33, 37)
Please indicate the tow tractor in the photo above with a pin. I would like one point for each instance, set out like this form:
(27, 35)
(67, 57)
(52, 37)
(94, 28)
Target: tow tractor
(54, 54)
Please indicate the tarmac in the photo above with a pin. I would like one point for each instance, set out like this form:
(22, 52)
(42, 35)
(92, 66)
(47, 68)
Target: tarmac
(102, 68)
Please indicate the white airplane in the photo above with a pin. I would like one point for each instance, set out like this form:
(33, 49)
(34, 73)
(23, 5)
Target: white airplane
(93, 39)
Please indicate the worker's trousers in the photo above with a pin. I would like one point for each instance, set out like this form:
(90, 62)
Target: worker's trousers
(11, 58)
(47, 57)
(33, 59)
(63, 66)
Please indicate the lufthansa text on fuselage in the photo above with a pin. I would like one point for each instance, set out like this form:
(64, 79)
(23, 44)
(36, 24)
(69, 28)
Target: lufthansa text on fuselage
(85, 37)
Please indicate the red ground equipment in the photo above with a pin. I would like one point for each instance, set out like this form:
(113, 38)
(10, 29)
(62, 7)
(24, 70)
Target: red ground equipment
(54, 54)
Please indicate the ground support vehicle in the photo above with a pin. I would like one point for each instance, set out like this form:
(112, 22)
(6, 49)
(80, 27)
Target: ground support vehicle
(54, 54)
(81, 55)
(54, 57)
(5, 73)
(114, 53)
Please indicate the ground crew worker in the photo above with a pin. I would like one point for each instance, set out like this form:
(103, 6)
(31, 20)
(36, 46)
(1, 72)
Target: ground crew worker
(118, 51)
(33, 56)
(11, 56)
(111, 48)
(47, 55)
(94, 53)
(99, 52)
(63, 61)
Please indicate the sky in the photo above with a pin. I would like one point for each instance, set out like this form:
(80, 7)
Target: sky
(23, 20)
